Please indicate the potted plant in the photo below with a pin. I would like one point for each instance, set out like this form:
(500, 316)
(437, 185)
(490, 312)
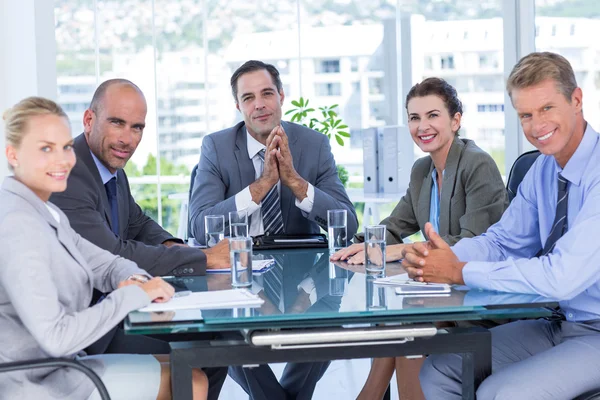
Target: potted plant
(327, 121)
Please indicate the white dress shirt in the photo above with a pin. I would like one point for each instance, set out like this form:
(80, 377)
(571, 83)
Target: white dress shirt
(243, 200)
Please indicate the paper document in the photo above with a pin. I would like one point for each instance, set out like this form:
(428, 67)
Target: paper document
(404, 280)
(314, 240)
(258, 266)
(208, 300)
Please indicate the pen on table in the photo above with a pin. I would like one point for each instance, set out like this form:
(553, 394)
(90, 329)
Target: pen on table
(182, 293)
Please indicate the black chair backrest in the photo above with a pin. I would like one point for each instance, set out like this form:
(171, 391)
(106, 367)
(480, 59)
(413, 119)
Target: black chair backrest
(519, 170)
(192, 179)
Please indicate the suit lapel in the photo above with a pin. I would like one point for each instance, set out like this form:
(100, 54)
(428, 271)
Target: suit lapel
(449, 183)
(82, 151)
(62, 232)
(243, 161)
(287, 197)
(425, 198)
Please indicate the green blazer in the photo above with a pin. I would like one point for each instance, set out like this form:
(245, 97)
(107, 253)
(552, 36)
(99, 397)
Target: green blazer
(473, 196)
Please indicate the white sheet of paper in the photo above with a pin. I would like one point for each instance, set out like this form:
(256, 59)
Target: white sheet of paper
(257, 266)
(208, 300)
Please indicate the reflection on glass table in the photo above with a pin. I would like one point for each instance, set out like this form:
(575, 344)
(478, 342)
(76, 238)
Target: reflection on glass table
(305, 289)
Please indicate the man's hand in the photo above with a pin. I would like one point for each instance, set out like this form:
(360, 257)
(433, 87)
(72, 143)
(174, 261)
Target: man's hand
(287, 173)
(433, 261)
(270, 173)
(217, 257)
(170, 243)
(158, 290)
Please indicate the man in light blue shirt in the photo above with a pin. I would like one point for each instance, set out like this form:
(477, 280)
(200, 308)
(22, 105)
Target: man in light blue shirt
(547, 243)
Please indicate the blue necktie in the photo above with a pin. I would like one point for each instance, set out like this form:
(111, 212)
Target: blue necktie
(111, 192)
(271, 208)
(560, 225)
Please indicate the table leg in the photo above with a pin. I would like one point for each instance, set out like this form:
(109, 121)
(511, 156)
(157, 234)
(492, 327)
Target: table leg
(181, 376)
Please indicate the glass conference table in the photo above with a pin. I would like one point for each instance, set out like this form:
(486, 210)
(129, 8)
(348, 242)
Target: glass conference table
(315, 310)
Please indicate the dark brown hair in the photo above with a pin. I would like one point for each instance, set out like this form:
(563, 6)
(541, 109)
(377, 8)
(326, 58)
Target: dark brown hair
(440, 88)
(251, 66)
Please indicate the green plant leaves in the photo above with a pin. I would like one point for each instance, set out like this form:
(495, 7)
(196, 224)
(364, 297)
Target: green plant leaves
(329, 124)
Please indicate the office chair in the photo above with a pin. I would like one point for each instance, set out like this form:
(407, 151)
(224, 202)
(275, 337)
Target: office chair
(58, 362)
(519, 170)
(192, 179)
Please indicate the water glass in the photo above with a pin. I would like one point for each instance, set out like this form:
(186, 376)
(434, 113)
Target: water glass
(338, 279)
(376, 295)
(238, 224)
(375, 248)
(336, 229)
(240, 251)
(214, 229)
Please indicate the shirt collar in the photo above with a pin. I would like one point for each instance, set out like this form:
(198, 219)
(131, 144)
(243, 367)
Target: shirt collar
(105, 174)
(254, 146)
(577, 164)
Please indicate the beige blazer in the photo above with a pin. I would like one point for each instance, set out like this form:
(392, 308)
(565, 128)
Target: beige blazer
(47, 275)
(473, 196)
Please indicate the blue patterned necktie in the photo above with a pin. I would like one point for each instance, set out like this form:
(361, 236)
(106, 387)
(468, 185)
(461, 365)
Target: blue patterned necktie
(560, 225)
(111, 192)
(271, 208)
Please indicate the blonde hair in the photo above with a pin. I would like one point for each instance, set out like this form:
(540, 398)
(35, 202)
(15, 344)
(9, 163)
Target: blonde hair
(535, 68)
(17, 117)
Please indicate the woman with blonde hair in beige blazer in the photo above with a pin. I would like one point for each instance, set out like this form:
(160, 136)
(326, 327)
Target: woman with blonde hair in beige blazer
(457, 188)
(48, 273)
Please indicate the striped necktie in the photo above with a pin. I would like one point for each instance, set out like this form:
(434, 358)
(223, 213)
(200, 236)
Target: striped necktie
(271, 208)
(560, 225)
(273, 281)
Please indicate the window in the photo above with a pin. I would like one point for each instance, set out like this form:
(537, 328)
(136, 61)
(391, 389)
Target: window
(375, 86)
(447, 62)
(490, 107)
(328, 89)
(328, 66)
(354, 64)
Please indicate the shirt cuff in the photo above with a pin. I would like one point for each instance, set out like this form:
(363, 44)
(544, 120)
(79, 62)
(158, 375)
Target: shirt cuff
(475, 275)
(308, 285)
(243, 202)
(306, 205)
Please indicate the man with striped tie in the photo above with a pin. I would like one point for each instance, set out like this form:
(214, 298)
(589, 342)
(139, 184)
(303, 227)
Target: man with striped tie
(284, 176)
(546, 243)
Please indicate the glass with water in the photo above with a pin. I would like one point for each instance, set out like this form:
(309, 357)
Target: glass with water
(238, 224)
(375, 248)
(240, 250)
(214, 229)
(336, 229)
(376, 295)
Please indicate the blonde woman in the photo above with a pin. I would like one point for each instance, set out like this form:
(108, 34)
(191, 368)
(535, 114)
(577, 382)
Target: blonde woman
(49, 271)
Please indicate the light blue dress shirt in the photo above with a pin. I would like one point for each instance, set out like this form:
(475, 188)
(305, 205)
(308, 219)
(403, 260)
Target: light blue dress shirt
(105, 174)
(504, 258)
(434, 204)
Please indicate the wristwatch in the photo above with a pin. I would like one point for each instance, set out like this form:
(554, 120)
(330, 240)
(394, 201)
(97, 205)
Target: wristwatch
(139, 278)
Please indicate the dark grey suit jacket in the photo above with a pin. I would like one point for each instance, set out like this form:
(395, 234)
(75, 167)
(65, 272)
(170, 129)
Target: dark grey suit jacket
(225, 169)
(86, 205)
(473, 196)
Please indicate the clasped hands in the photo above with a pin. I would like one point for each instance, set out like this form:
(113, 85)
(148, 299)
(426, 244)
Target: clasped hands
(432, 261)
(278, 165)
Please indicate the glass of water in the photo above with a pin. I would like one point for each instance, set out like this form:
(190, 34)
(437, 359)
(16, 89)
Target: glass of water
(376, 299)
(240, 250)
(214, 229)
(336, 229)
(238, 224)
(375, 248)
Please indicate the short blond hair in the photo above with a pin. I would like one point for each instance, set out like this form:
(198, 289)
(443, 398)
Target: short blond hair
(17, 117)
(535, 68)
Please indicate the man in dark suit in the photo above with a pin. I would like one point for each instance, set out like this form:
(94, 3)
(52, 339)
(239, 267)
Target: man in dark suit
(282, 174)
(100, 207)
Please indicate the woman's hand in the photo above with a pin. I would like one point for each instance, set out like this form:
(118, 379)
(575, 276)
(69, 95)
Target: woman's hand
(158, 290)
(345, 253)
